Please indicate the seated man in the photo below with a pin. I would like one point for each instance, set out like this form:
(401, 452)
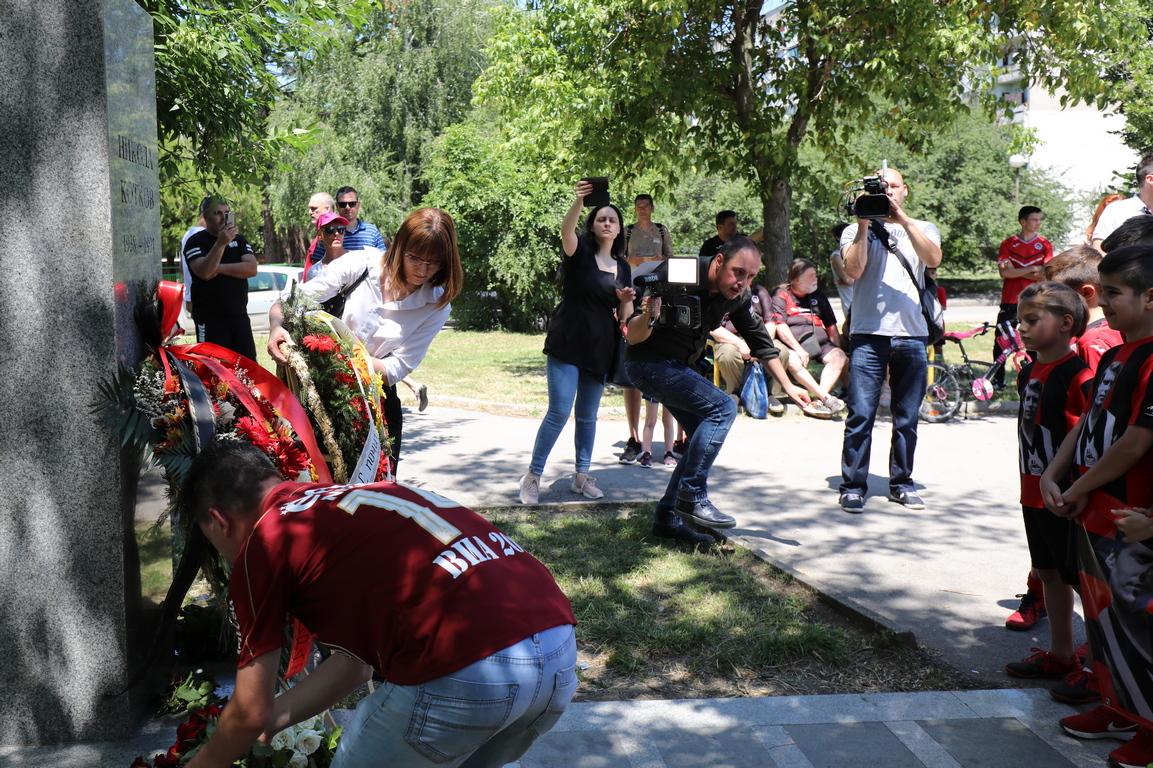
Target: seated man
(731, 352)
(471, 634)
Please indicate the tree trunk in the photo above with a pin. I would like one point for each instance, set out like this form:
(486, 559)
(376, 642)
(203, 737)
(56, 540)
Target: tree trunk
(777, 246)
(272, 253)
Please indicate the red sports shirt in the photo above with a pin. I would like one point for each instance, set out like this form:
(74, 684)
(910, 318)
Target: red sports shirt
(1018, 254)
(402, 579)
(1098, 339)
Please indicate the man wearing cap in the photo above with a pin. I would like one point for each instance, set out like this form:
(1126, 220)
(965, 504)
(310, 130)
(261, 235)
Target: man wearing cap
(220, 261)
(360, 234)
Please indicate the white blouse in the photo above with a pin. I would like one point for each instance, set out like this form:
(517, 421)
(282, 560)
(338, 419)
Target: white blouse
(398, 332)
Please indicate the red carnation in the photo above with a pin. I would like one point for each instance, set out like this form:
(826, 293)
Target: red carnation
(255, 432)
(322, 343)
(139, 763)
(346, 379)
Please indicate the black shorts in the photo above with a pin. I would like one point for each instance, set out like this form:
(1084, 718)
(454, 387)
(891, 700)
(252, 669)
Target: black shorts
(1052, 545)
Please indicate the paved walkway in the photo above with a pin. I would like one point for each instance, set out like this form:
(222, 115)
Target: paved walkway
(971, 729)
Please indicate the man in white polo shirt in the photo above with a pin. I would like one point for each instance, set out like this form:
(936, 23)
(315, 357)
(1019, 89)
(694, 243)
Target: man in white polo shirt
(1117, 212)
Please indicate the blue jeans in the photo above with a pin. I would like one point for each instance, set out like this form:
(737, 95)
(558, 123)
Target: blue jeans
(567, 383)
(904, 358)
(705, 412)
(483, 716)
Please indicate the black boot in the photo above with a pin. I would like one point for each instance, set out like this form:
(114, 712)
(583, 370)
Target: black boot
(667, 525)
(704, 513)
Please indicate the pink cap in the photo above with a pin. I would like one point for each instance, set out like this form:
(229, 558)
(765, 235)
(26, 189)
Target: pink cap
(327, 218)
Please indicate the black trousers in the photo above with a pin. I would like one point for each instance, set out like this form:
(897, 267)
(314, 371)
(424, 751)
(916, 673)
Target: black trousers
(393, 420)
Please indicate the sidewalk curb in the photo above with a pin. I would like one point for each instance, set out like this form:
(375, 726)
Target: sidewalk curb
(856, 612)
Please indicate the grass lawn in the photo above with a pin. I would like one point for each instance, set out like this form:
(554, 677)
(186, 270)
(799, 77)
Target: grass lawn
(155, 545)
(495, 366)
(660, 619)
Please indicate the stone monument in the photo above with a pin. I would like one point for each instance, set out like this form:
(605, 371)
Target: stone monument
(79, 231)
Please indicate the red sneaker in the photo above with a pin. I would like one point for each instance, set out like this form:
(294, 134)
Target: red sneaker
(1099, 723)
(1138, 753)
(1080, 687)
(1042, 664)
(1032, 607)
(1081, 652)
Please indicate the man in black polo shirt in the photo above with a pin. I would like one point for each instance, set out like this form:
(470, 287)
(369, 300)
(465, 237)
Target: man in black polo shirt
(221, 261)
(659, 362)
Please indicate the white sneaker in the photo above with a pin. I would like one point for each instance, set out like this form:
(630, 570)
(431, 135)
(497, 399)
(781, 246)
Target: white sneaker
(834, 404)
(530, 489)
(586, 485)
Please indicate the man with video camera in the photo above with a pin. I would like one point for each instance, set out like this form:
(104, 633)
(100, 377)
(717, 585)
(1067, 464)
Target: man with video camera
(666, 338)
(882, 252)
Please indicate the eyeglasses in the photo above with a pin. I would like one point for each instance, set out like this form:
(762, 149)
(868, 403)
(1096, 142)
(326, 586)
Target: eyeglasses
(416, 261)
(337, 230)
(348, 203)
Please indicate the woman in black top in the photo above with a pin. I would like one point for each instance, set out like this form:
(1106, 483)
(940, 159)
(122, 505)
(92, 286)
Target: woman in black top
(583, 337)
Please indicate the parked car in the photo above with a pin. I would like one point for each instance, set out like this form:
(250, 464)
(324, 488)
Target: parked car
(271, 283)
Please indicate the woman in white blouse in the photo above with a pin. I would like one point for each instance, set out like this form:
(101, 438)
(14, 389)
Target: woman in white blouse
(400, 305)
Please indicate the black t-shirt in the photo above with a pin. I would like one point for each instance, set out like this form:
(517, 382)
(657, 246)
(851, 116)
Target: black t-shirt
(1121, 398)
(711, 247)
(223, 294)
(584, 330)
(687, 345)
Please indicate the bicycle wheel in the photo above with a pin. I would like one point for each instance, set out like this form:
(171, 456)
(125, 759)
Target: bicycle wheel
(942, 395)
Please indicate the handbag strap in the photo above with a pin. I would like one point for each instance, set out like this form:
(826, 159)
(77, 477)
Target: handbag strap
(344, 293)
(882, 234)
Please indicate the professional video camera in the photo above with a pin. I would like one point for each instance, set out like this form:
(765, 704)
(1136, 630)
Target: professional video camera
(874, 203)
(678, 308)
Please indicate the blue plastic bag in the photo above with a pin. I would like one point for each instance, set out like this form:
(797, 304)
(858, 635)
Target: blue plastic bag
(755, 391)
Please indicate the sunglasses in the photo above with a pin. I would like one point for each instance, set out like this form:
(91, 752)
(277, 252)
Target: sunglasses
(337, 230)
(348, 204)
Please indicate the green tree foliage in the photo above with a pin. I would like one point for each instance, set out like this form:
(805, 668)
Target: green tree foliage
(381, 96)
(508, 224)
(219, 67)
(1134, 78)
(661, 86)
(961, 182)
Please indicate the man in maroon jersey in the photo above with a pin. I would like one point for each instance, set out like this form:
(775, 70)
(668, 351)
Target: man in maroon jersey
(471, 634)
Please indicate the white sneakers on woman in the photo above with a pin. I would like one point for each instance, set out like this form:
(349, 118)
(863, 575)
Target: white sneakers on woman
(583, 483)
(586, 485)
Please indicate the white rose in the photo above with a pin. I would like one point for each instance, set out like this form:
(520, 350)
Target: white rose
(308, 742)
(298, 761)
(282, 740)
